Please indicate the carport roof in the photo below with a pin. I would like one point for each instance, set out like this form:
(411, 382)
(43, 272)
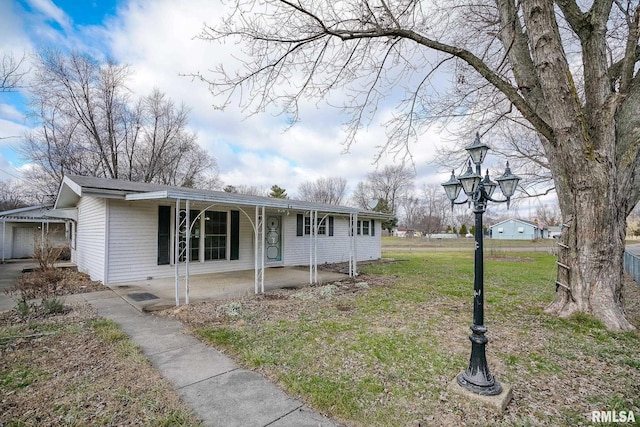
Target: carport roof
(74, 187)
(31, 214)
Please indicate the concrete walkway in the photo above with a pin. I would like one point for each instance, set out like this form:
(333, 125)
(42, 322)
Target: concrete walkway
(219, 392)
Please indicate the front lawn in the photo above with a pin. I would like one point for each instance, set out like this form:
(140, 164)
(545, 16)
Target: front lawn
(77, 369)
(382, 352)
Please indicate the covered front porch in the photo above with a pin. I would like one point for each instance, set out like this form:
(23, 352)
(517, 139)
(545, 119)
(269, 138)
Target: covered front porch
(157, 294)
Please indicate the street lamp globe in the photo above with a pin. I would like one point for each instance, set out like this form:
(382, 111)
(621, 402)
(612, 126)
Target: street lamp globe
(469, 180)
(508, 182)
(452, 187)
(477, 150)
(489, 186)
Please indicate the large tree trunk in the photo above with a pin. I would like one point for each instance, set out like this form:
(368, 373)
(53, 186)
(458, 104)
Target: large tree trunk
(590, 263)
(590, 253)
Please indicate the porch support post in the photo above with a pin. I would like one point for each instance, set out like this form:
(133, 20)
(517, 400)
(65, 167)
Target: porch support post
(255, 252)
(310, 247)
(4, 224)
(315, 248)
(176, 253)
(262, 243)
(187, 255)
(355, 245)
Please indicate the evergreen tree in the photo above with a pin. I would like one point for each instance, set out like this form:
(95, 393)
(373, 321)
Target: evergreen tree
(278, 193)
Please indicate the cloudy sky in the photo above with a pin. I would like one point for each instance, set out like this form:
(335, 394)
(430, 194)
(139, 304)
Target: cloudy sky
(156, 38)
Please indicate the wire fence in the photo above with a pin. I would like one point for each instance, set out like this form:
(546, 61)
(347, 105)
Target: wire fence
(632, 265)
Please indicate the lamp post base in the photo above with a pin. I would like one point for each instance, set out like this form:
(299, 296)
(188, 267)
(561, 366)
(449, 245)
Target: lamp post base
(492, 389)
(498, 402)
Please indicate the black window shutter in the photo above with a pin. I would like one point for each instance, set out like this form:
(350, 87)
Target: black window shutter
(164, 235)
(300, 226)
(234, 252)
(330, 226)
(373, 227)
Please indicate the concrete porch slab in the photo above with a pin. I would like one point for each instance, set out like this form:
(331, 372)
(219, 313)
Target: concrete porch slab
(216, 286)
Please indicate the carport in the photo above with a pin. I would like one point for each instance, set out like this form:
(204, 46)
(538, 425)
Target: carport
(23, 226)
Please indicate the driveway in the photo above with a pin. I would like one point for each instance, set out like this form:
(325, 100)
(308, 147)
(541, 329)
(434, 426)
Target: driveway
(9, 272)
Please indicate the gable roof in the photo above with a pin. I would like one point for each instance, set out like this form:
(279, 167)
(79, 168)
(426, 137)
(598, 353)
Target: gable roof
(522, 221)
(74, 187)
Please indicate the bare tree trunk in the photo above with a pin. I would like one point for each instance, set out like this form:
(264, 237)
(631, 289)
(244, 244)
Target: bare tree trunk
(590, 256)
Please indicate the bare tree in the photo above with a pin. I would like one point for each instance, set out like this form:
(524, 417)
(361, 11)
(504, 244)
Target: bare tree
(427, 212)
(323, 190)
(565, 70)
(548, 214)
(412, 211)
(12, 195)
(88, 125)
(11, 72)
(249, 190)
(391, 183)
(363, 196)
(436, 208)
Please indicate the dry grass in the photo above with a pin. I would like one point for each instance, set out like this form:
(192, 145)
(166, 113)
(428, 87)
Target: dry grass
(76, 369)
(53, 282)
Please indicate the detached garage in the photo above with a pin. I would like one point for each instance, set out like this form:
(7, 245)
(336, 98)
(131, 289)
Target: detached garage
(23, 227)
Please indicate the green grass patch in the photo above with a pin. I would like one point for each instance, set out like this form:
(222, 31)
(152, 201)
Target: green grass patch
(388, 359)
(107, 330)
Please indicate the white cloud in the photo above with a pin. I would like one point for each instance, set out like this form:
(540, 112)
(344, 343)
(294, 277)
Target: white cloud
(156, 38)
(10, 112)
(51, 11)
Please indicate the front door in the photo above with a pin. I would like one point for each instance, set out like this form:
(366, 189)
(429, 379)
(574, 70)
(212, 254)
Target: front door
(273, 244)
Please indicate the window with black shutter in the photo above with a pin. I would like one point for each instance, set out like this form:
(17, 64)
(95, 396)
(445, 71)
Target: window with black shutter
(164, 235)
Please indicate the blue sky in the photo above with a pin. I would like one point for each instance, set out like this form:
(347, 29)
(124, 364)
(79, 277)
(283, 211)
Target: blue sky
(156, 39)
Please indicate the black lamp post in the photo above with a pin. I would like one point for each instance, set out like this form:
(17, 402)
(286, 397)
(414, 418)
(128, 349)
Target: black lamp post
(477, 377)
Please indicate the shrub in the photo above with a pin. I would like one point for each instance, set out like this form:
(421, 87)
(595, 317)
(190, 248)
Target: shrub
(39, 284)
(52, 305)
(23, 309)
(45, 253)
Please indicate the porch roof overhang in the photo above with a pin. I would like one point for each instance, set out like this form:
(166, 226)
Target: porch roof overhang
(74, 187)
(243, 200)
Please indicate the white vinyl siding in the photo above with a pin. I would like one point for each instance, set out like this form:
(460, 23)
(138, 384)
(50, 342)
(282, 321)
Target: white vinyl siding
(90, 237)
(130, 249)
(330, 248)
(133, 243)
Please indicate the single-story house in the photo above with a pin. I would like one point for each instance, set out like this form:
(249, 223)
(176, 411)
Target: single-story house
(518, 229)
(128, 231)
(22, 228)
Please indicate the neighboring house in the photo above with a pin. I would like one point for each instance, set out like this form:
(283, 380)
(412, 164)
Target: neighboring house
(554, 231)
(518, 229)
(22, 228)
(406, 232)
(128, 231)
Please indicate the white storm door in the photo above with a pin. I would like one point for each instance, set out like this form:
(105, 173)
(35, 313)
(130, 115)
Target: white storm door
(273, 240)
